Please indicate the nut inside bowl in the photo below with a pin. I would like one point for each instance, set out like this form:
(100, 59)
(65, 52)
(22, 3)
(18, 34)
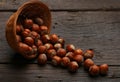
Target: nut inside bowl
(31, 9)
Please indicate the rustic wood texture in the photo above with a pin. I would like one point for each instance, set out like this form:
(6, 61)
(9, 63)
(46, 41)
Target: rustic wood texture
(66, 4)
(87, 28)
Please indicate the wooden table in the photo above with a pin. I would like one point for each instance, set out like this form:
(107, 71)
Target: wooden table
(85, 23)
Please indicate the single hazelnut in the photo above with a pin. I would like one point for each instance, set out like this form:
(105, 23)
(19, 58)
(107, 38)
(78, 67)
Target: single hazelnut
(43, 30)
(73, 66)
(88, 63)
(70, 48)
(25, 33)
(18, 38)
(19, 29)
(38, 21)
(70, 55)
(103, 69)
(61, 52)
(56, 60)
(28, 23)
(78, 52)
(53, 38)
(65, 61)
(57, 46)
(42, 49)
(88, 54)
(49, 46)
(51, 53)
(38, 43)
(42, 59)
(61, 41)
(34, 48)
(34, 35)
(94, 70)
(29, 41)
(78, 58)
(45, 38)
(35, 28)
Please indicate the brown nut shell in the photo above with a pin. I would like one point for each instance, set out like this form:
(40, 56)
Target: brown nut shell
(30, 9)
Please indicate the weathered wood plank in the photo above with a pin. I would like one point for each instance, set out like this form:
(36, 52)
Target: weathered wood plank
(66, 4)
(35, 73)
(96, 30)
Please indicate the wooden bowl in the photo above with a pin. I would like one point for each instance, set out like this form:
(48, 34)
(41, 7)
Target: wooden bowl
(29, 9)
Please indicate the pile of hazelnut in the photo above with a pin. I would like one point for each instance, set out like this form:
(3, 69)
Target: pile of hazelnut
(35, 41)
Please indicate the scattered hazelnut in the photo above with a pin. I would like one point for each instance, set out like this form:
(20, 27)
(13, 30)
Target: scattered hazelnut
(61, 41)
(78, 59)
(65, 61)
(51, 53)
(54, 38)
(88, 54)
(57, 46)
(56, 60)
(94, 70)
(42, 49)
(49, 46)
(61, 52)
(42, 59)
(70, 48)
(43, 30)
(70, 55)
(73, 66)
(78, 52)
(88, 63)
(45, 38)
(103, 69)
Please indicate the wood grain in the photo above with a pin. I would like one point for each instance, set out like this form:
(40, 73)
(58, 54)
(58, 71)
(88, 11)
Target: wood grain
(35, 73)
(86, 30)
(66, 4)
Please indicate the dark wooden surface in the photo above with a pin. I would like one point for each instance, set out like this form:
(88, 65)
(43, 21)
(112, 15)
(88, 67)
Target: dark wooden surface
(85, 23)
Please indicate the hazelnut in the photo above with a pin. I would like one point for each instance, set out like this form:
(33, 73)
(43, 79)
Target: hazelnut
(34, 48)
(70, 48)
(78, 59)
(28, 23)
(29, 41)
(19, 29)
(65, 61)
(54, 38)
(88, 63)
(34, 35)
(18, 38)
(88, 54)
(26, 33)
(49, 46)
(56, 60)
(35, 28)
(42, 49)
(78, 52)
(38, 43)
(73, 66)
(94, 70)
(42, 59)
(57, 46)
(45, 38)
(70, 55)
(51, 53)
(103, 69)
(61, 41)
(38, 21)
(61, 52)
(43, 30)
